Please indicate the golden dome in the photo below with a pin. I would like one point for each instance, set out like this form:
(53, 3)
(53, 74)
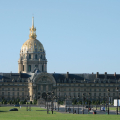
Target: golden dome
(32, 44)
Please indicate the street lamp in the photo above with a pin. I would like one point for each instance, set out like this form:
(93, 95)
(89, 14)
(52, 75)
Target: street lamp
(106, 103)
(55, 102)
(30, 104)
(78, 104)
(88, 101)
(27, 104)
(69, 105)
(83, 104)
(52, 101)
(66, 102)
(58, 103)
(100, 102)
(47, 103)
(73, 104)
(117, 99)
(108, 100)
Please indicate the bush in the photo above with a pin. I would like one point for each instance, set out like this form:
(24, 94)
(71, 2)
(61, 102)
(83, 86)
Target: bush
(35, 102)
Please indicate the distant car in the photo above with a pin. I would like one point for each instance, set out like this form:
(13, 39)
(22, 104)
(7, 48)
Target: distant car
(17, 105)
(86, 106)
(13, 109)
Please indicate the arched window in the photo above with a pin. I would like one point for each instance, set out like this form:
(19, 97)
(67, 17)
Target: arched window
(35, 56)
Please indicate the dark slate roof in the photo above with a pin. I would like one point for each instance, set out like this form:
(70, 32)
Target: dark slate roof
(77, 77)
(80, 77)
(10, 76)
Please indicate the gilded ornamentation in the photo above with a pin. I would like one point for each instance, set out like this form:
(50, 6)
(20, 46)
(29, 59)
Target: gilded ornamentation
(32, 30)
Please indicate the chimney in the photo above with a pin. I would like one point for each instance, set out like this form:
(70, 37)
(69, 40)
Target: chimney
(105, 75)
(97, 75)
(67, 75)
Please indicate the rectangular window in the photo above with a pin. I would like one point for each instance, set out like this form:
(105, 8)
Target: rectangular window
(13, 93)
(8, 93)
(17, 93)
(17, 89)
(22, 89)
(22, 93)
(29, 68)
(13, 89)
(29, 56)
(23, 67)
(2, 89)
(36, 56)
(44, 87)
(2, 93)
(8, 89)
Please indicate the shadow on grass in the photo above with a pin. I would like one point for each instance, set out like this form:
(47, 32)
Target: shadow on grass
(3, 111)
(41, 110)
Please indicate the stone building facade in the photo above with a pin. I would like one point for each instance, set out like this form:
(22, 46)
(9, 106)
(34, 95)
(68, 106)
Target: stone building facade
(33, 82)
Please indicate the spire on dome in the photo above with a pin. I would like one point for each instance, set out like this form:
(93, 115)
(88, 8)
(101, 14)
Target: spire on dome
(32, 30)
(33, 22)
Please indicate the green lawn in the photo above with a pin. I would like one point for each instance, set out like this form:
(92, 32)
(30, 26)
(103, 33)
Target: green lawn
(41, 114)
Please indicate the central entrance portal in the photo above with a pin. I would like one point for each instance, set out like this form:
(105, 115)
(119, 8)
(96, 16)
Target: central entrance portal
(44, 95)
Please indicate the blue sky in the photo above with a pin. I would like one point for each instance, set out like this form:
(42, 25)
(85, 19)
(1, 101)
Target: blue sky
(79, 36)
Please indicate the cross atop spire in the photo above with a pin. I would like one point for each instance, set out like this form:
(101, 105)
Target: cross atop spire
(32, 30)
(33, 22)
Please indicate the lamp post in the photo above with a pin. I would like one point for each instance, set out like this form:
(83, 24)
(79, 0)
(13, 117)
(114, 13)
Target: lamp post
(83, 104)
(30, 105)
(96, 103)
(47, 103)
(100, 102)
(55, 102)
(88, 101)
(117, 99)
(108, 100)
(78, 104)
(52, 101)
(27, 104)
(104, 100)
(66, 102)
(58, 103)
(106, 103)
(69, 105)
